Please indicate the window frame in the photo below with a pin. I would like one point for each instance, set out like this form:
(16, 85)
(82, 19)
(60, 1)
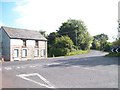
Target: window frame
(43, 52)
(36, 43)
(26, 53)
(17, 53)
(36, 55)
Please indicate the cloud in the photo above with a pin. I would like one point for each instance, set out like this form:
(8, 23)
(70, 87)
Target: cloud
(100, 16)
(1, 24)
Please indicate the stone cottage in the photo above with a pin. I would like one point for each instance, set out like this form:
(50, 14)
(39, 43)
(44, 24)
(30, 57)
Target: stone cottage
(21, 44)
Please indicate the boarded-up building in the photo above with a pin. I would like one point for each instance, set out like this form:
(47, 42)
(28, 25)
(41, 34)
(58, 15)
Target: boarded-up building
(22, 44)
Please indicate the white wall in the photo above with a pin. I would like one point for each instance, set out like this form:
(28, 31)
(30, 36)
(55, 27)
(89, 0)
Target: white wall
(42, 44)
(16, 42)
(30, 42)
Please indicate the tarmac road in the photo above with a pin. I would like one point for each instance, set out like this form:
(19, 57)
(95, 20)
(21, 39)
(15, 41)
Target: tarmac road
(92, 70)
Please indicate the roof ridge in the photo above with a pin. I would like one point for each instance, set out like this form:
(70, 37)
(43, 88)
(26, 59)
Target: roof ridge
(18, 33)
(19, 28)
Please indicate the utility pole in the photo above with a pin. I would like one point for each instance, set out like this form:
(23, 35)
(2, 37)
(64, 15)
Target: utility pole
(76, 36)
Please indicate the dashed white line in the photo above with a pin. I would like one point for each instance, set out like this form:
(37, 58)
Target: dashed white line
(8, 68)
(25, 77)
(89, 69)
(18, 67)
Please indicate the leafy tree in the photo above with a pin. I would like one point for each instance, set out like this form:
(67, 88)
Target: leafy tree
(43, 33)
(100, 41)
(77, 31)
(61, 47)
(95, 44)
(51, 38)
(116, 43)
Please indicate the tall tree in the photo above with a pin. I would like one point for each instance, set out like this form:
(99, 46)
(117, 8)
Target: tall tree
(100, 39)
(77, 31)
(61, 46)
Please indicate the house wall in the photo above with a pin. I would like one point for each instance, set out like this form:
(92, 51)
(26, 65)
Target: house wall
(30, 47)
(43, 46)
(15, 44)
(0, 44)
(5, 46)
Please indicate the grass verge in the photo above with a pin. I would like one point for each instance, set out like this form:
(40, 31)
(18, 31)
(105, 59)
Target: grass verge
(78, 52)
(113, 54)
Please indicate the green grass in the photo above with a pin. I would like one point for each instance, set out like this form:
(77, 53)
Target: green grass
(78, 52)
(113, 54)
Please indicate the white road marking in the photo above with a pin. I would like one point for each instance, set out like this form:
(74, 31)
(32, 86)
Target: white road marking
(0, 69)
(53, 64)
(84, 68)
(33, 66)
(18, 67)
(22, 67)
(89, 69)
(25, 76)
(8, 68)
(75, 66)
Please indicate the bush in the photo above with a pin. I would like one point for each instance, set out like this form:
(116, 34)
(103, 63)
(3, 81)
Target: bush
(58, 51)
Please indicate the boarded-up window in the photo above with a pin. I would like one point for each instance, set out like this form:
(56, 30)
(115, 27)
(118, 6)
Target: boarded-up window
(16, 53)
(36, 53)
(42, 52)
(24, 53)
(36, 43)
(24, 43)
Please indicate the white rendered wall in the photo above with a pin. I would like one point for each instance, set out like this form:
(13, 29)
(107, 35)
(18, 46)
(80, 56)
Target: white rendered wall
(16, 42)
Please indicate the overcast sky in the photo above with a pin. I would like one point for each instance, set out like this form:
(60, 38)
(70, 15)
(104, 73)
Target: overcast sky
(100, 16)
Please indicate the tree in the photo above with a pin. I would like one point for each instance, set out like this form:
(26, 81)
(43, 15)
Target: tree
(51, 38)
(43, 33)
(77, 31)
(116, 43)
(61, 47)
(100, 41)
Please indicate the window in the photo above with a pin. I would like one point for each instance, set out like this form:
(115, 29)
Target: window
(42, 52)
(16, 53)
(36, 43)
(24, 43)
(24, 53)
(36, 53)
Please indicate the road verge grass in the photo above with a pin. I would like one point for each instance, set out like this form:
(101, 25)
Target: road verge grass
(78, 52)
(113, 54)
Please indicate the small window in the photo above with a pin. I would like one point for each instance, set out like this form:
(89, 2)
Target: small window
(36, 53)
(36, 43)
(24, 53)
(16, 53)
(42, 52)
(24, 43)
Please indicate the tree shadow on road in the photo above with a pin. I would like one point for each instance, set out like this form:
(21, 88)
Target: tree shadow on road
(84, 62)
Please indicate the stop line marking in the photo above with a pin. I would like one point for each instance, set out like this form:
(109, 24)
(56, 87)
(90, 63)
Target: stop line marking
(25, 77)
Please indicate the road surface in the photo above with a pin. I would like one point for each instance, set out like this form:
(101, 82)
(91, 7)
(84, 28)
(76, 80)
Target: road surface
(92, 70)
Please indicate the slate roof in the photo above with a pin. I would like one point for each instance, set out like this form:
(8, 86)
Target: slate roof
(17, 33)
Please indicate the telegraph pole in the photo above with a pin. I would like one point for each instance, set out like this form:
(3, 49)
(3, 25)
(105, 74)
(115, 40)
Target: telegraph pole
(76, 36)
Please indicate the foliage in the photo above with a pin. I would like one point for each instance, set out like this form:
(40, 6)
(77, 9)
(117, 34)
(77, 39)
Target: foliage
(61, 47)
(71, 36)
(77, 31)
(100, 42)
(43, 33)
(51, 38)
(116, 43)
(113, 54)
(108, 47)
(77, 52)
